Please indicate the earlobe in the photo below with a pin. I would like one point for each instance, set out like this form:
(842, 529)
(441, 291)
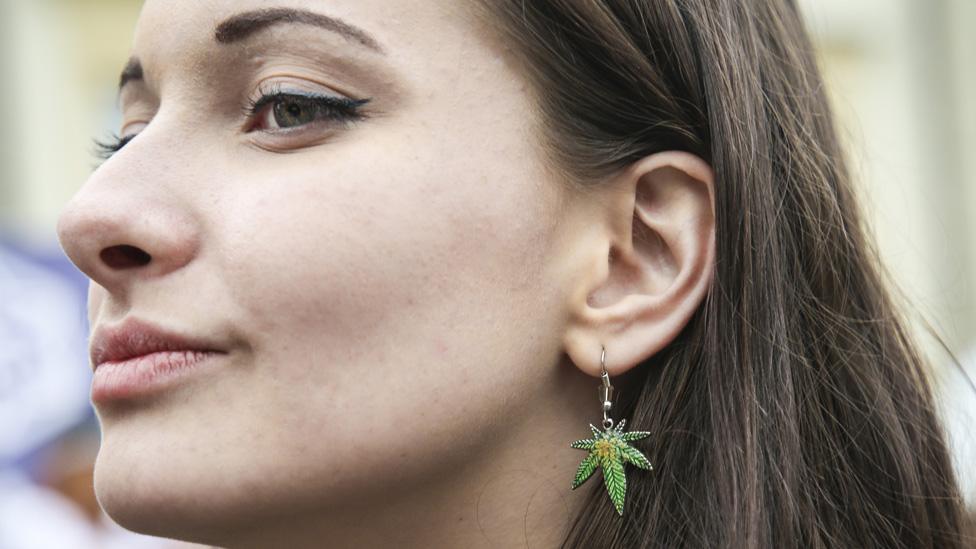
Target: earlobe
(650, 271)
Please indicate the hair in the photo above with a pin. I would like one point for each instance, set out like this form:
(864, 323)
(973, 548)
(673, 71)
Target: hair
(794, 409)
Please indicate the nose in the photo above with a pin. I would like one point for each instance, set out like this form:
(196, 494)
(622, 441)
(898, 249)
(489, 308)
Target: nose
(117, 236)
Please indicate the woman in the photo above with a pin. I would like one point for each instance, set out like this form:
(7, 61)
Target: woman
(358, 267)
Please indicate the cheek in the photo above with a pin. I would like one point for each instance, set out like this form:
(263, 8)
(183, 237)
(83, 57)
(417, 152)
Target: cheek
(403, 286)
(351, 249)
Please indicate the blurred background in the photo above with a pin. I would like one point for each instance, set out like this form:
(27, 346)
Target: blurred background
(900, 73)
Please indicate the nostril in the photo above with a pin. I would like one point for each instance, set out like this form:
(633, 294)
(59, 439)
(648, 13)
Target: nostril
(124, 257)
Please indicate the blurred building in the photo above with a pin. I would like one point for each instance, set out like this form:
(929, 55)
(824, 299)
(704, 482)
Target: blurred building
(901, 77)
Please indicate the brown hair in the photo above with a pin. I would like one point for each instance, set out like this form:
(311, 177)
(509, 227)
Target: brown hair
(794, 409)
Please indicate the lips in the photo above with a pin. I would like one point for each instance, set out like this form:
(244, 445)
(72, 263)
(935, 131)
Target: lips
(135, 338)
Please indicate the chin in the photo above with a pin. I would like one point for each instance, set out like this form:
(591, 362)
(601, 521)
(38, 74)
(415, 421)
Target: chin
(155, 496)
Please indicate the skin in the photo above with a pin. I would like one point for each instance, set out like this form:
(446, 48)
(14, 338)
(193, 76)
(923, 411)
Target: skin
(412, 304)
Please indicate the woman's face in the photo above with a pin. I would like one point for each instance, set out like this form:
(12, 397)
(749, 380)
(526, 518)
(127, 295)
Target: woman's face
(388, 282)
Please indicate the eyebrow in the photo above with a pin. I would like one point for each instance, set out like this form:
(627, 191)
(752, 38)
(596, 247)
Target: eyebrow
(132, 71)
(243, 25)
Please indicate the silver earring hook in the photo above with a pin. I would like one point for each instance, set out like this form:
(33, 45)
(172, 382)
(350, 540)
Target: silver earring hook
(605, 390)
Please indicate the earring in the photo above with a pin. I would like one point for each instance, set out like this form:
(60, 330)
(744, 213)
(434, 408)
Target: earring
(610, 449)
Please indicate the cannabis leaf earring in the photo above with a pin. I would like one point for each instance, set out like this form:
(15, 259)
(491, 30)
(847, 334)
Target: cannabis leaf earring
(610, 449)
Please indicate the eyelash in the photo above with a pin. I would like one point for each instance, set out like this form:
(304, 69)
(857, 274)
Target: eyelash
(329, 107)
(105, 149)
(332, 107)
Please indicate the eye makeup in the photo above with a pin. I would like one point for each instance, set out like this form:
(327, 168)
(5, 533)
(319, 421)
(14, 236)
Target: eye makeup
(282, 110)
(105, 149)
(290, 109)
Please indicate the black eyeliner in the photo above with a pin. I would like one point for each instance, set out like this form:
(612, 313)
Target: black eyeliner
(343, 106)
(336, 107)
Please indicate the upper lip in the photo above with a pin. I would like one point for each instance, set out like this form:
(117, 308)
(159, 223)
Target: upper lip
(135, 337)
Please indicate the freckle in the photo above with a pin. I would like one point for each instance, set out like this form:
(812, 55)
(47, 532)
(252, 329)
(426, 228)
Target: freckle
(441, 347)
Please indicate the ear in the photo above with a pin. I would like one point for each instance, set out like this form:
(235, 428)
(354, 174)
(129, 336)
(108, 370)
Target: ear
(647, 264)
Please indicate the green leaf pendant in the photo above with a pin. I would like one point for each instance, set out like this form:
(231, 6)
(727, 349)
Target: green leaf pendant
(610, 449)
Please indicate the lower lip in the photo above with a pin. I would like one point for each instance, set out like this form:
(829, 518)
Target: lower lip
(146, 375)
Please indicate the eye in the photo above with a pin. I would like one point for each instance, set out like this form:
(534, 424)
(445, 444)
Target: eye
(279, 110)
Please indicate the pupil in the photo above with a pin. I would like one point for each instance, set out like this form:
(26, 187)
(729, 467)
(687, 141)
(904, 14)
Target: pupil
(292, 113)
